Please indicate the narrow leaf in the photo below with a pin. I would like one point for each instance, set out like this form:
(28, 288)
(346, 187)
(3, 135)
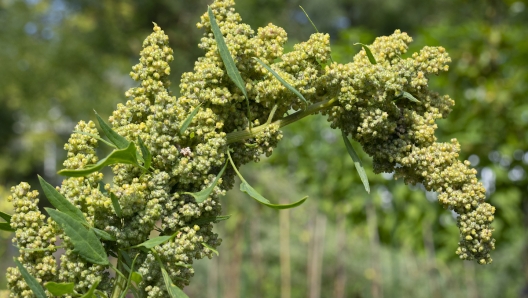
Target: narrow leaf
(357, 162)
(103, 235)
(84, 241)
(4, 226)
(309, 19)
(209, 247)
(369, 53)
(95, 137)
(125, 156)
(154, 241)
(281, 80)
(173, 290)
(32, 282)
(189, 119)
(59, 289)
(91, 291)
(232, 70)
(204, 193)
(115, 204)
(206, 220)
(409, 97)
(113, 136)
(147, 156)
(5, 216)
(245, 187)
(60, 202)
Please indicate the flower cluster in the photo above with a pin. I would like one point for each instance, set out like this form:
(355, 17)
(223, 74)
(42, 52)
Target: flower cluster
(385, 106)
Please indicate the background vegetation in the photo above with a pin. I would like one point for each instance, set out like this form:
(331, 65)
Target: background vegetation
(62, 58)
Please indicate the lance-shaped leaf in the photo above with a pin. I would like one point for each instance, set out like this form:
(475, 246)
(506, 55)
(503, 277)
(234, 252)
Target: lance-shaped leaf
(210, 248)
(206, 220)
(145, 153)
(32, 282)
(6, 226)
(60, 202)
(173, 290)
(95, 137)
(204, 193)
(357, 162)
(59, 289)
(125, 156)
(189, 119)
(115, 204)
(103, 235)
(232, 70)
(245, 187)
(282, 81)
(369, 53)
(84, 240)
(113, 136)
(154, 241)
(92, 290)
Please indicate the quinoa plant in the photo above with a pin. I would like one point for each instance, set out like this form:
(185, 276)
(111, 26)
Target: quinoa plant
(174, 157)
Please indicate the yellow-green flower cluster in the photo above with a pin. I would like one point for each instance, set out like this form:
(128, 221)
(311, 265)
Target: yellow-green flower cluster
(374, 103)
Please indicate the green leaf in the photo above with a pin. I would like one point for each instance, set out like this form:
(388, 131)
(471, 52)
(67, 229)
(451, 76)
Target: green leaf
(32, 282)
(95, 137)
(281, 80)
(189, 119)
(60, 202)
(206, 220)
(84, 241)
(4, 226)
(91, 291)
(103, 235)
(232, 70)
(154, 241)
(147, 156)
(369, 53)
(125, 156)
(209, 247)
(245, 187)
(113, 136)
(204, 193)
(5, 216)
(357, 162)
(173, 290)
(115, 204)
(59, 289)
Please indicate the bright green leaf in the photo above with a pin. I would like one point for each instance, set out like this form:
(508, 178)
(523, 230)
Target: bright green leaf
(84, 241)
(204, 193)
(369, 53)
(125, 156)
(59, 289)
(113, 136)
(154, 241)
(173, 290)
(357, 162)
(232, 70)
(95, 137)
(281, 80)
(103, 235)
(60, 202)
(409, 97)
(115, 204)
(4, 226)
(91, 291)
(189, 119)
(136, 277)
(147, 156)
(210, 248)
(32, 282)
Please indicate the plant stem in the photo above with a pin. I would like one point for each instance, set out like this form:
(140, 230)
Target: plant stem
(238, 136)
